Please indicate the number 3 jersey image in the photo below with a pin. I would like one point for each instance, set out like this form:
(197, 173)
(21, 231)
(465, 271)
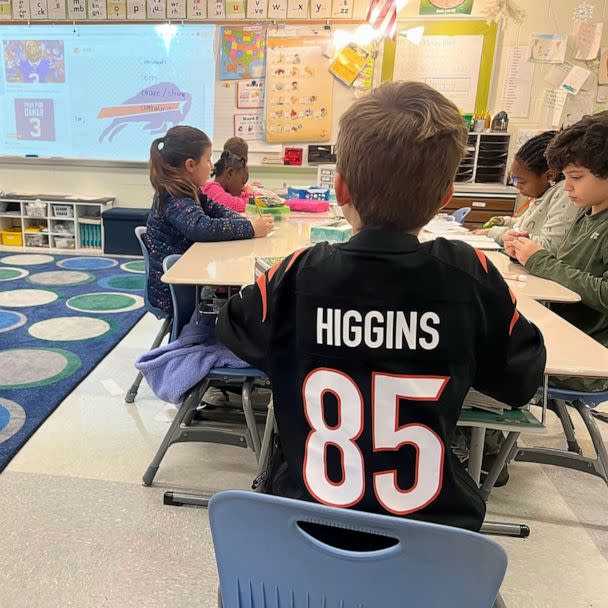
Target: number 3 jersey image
(371, 347)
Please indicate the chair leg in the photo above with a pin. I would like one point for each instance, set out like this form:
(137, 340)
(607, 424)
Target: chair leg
(164, 330)
(601, 464)
(561, 409)
(502, 459)
(250, 417)
(188, 406)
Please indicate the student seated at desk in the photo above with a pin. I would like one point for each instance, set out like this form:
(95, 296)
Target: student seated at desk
(231, 174)
(180, 215)
(372, 345)
(548, 214)
(581, 262)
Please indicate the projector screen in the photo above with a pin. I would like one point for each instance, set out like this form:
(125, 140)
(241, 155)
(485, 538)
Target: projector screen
(102, 92)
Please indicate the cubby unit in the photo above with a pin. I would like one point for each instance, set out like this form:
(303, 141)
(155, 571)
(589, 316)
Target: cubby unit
(52, 222)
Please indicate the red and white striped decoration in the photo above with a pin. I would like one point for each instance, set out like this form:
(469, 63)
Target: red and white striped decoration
(382, 16)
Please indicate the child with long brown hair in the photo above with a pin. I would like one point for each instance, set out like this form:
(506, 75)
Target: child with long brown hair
(180, 163)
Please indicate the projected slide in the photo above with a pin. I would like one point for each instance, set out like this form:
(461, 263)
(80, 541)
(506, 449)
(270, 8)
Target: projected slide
(102, 92)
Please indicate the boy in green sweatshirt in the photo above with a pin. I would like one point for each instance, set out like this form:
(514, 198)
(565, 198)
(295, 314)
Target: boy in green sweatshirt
(581, 262)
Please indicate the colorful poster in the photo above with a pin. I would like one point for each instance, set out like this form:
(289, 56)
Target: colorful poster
(250, 94)
(299, 89)
(348, 63)
(243, 53)
(249, 125)
(548, 48)
(446, 7)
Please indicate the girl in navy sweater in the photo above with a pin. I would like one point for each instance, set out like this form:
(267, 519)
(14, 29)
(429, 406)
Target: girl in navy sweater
(180, 163)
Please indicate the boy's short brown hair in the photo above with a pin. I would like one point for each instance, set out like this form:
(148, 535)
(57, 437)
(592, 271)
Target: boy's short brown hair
(237, 146)
(584, 144)
(398, 150)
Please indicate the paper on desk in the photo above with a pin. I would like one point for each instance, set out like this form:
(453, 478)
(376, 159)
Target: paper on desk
(443, 227)
(477, 241)
(589, 39)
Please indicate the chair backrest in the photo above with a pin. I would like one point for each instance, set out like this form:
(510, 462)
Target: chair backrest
(460, 214)
(265, 559)
(183, 298)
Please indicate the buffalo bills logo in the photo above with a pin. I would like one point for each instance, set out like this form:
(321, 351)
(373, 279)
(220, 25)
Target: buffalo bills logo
(158, 107)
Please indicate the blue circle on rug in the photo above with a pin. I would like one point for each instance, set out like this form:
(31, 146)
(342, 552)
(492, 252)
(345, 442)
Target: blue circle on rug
(10, 320)
(124, 282)
(12, 418)
(87, 263)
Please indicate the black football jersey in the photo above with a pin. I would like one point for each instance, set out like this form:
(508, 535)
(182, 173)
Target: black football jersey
(371, 347)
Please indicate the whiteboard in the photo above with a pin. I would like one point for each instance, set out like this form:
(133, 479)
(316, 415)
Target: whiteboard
(449, 64)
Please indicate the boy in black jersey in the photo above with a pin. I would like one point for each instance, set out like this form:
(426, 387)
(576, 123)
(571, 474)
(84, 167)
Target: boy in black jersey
(372, 345)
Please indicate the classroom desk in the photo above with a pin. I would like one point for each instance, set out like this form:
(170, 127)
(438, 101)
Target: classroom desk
(536, 288)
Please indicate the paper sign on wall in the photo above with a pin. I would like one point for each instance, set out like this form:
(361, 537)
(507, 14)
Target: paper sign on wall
(589, 39)
(249, 125)
(5, 9)
(320, 9)
(548, 48)
(197, 9)
(277, 9)
(517, 84)
(21, 9)
(604, 66)
(297, 9)
(342, 9)
(250, 94)
(216, 9)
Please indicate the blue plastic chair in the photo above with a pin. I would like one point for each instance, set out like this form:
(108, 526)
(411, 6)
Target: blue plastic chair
(460, 214)
(182, 429)
(583, 403)
(157, 312)
(266, 559)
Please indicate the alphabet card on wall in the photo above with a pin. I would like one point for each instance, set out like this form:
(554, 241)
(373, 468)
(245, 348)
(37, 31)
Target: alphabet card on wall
(257, 9)
(277, 9)
(136, 9)
(197, 9)
(77, 9)
(176, 9)
(320, 9)
(235, 9)
(39, 9)
(117, 9)
(297, 9)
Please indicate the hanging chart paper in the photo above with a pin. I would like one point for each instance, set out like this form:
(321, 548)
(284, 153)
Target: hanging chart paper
(299, 89)
(517, 83)
(449, 64)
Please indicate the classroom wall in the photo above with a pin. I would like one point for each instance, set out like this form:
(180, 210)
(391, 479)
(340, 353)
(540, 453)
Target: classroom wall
(131, 186)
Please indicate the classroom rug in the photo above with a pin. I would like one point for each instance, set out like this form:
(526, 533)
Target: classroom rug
(60, 315)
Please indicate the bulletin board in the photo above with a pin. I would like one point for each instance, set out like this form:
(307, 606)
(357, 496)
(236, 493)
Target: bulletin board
(488, 34)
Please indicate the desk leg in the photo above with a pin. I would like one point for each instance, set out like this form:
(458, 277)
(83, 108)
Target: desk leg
(476, 453)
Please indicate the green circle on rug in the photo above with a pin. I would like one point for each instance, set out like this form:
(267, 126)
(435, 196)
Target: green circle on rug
(61, 277)
(138, 266)
(135, 283)
(105, 302)
(64, 329)
(8, 274)
(31, 367)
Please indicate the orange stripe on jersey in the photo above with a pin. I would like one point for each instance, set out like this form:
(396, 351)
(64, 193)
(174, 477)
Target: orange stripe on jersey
(261, 283)
(294, 256)
(514, 320)
(515, 314)
(482, 258)
(272, 271)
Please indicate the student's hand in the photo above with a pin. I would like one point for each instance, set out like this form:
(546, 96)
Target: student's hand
(524, 249)
(262, 225)
(481, 232)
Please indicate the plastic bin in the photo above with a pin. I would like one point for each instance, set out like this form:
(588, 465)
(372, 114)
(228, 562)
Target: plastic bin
(12, 238)
(63, 211)
(64, 242)
(36, 209)
(36, 240)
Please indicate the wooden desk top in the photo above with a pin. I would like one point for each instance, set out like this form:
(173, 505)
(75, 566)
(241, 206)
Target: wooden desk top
(570, 352)
(536, 288)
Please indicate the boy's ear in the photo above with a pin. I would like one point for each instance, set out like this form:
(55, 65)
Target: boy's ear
(551, 175)
(342, 191)
(448, 197)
